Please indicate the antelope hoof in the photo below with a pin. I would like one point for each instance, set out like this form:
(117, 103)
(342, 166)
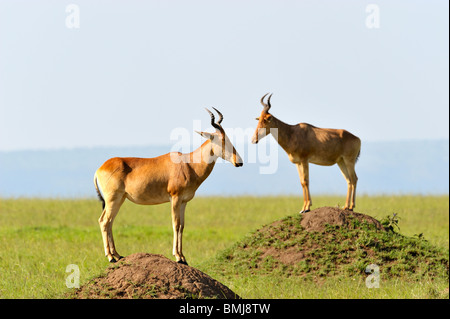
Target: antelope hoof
(182, 262)
(304, 211)
(116, 259)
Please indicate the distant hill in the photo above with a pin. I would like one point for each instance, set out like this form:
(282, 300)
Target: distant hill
(413, 167)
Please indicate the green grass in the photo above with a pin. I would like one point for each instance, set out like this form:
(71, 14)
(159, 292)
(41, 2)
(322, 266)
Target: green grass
(39, 238)
(333, 263)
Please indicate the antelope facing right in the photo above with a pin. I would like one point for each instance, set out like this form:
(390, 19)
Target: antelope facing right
(173, 177)
(305, 143)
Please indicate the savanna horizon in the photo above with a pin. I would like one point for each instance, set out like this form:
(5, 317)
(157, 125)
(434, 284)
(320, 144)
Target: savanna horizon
(383, 168)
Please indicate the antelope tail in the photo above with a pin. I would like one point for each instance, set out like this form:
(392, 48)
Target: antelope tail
(99, 195)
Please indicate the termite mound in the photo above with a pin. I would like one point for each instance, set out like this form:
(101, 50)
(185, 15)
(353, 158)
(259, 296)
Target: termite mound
(329, 243)
(150, 276)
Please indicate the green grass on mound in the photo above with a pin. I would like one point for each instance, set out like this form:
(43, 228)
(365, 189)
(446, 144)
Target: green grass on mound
(284, 249)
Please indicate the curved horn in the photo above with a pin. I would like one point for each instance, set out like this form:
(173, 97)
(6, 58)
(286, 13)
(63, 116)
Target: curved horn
(262, 100)
(266, 106)
(213, 119)
(220, 115)
(268, 102)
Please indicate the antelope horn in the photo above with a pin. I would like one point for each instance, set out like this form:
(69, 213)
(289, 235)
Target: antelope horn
(220, 115)
(266, 106)
(262, 100)
(213, 119)
(268, 102)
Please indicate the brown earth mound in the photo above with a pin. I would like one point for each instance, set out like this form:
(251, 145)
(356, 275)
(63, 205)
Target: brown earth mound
(149, 276)
(317, 219)
(333, 243)
(290, 244)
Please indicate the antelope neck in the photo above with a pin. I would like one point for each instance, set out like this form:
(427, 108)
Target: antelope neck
(203, 160)
(284, 133)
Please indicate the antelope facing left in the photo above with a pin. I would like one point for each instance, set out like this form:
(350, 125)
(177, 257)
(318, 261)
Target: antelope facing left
(173, 177)
(305, 143)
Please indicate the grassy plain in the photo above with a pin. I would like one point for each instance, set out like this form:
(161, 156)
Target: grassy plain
(39, 238)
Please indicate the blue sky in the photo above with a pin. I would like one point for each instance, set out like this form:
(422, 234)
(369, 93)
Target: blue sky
(133, 71)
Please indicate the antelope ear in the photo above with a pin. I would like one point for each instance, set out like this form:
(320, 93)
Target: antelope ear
(205, 135)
